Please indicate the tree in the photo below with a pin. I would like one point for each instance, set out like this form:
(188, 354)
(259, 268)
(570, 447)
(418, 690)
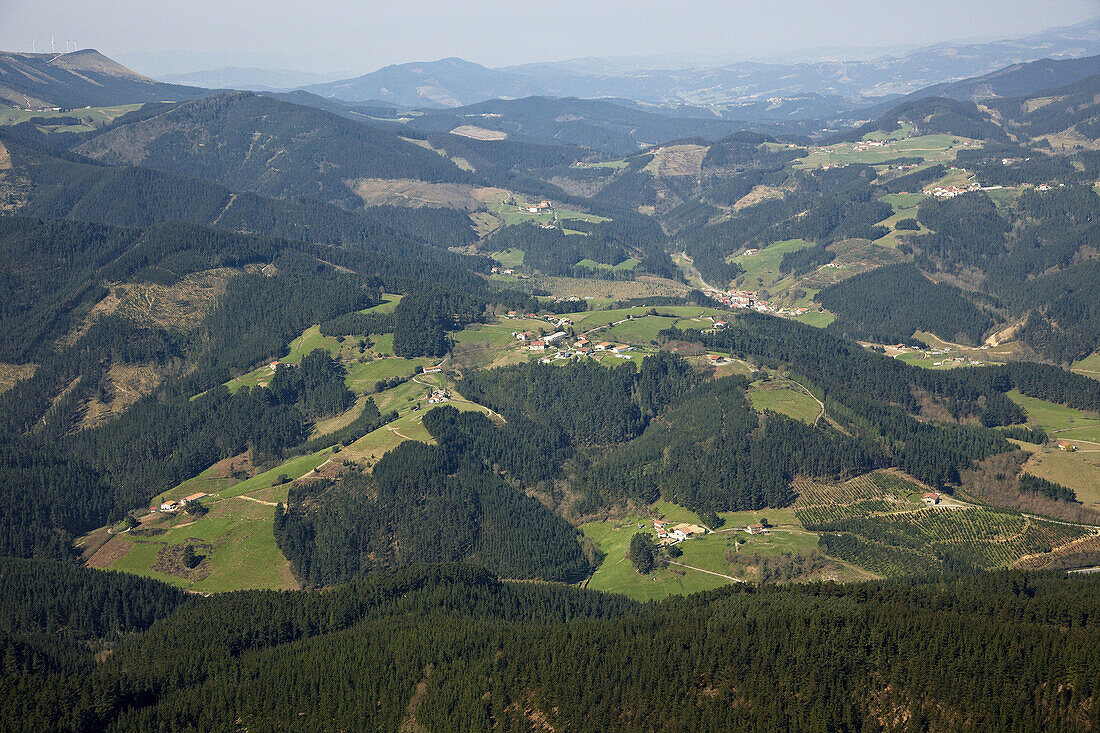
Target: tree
(711, 520)
(641, 552)
(195, 508)
(190, 558)
(130, 521)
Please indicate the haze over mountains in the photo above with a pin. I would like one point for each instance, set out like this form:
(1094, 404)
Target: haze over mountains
(454, 82)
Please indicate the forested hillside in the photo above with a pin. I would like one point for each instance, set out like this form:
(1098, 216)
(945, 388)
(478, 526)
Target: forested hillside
(475, 651)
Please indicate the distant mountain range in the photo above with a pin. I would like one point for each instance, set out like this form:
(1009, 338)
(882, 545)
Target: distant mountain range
(236, 77)
(79, 79)
(454, 82)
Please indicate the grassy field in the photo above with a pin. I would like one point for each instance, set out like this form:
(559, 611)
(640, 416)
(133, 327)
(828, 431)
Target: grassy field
(362, 377)
(628, 264)
(905, 207)
(511, 210)
(1089, 366)
(238, 526)
(784, 397)
(1079, 470)
(91, 118)
(245, 555)
(617, 575)
(495, 334)
(509, 258)
(311, 340)
(383, 343)
(932, 148)
(762, 268)
(389, 302)
(815, 318)
(928, 361)
(294, 468)
(640, 331)
(1057, 418)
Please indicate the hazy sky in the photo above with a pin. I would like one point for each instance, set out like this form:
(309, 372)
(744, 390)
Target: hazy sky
(330, 35)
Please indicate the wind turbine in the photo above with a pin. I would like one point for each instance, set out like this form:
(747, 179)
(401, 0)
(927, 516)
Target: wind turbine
(52, 49)
(34, 44)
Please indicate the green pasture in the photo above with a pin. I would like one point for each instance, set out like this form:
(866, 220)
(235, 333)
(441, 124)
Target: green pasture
(789, 400)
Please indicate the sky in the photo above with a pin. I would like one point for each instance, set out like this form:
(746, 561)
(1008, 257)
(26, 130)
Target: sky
(328, 36)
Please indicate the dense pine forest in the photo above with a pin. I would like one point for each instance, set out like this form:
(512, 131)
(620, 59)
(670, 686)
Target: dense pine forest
(1004, 651)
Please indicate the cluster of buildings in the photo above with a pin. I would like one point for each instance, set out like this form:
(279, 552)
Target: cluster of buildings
(950, 192)
(438, 397)
(580, 346)
(748, 299)
(538, 208)
(172, 506)
(865, 145)
(669, 535)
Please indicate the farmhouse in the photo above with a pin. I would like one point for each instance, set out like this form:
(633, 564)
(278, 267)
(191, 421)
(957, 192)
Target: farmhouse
(555, 336)
(1068, 447)
(439, 397)
(537, 346)
(756, 529)
(604, 346)
(169, 506)
(193, 497)
(621, 349)
(523, 336)
(433, 370)
(690, 529)
(931, 498)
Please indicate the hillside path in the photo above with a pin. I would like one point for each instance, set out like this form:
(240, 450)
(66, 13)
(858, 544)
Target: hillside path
(708, 572)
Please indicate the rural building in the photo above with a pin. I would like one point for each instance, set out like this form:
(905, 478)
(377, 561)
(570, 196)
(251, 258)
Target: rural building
(193, 497)
(690, 529)
(931, 498)
(756, 529)
(537, 346)
(555, 336)
(603, 346)
(169, 506)
(621, 349)
(1068, 447)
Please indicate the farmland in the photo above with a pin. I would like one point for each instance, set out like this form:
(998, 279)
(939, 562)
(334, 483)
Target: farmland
(786, 397)
(90, 118)
(932, 148)
(703, 564)
(1080, 469)
(762, 268)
